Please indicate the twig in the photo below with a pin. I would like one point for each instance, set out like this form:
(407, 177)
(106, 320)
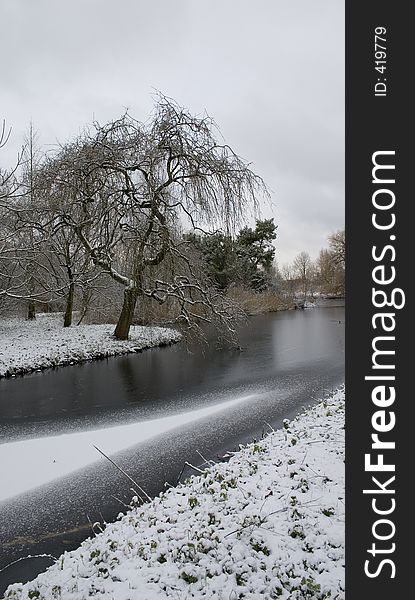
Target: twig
(90, 523)
(120, 501)
(134, 491)
(122, 471)
(181, 473)
(206, 461)
(195, 468)
(187, 464)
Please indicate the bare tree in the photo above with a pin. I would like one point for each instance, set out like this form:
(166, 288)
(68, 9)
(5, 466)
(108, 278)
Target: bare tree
(58, 260)
(303, 268)
(8, 181)
(10, 280)
(28, 251)
(288, 281)
(337, 245)
(30, 155)
(330, 265)
(129, 187)
(39, 261)
(326, 272)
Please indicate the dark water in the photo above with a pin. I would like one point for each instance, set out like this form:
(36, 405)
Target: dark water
(288, 360)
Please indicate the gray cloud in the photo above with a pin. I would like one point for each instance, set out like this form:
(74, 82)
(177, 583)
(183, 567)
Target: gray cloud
(271, 73)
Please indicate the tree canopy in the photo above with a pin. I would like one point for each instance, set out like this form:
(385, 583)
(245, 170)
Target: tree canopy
(126, 190)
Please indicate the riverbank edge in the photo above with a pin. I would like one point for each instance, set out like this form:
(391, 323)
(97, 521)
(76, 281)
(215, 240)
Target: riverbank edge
(28, 347)
(268, 522)
(259, 303)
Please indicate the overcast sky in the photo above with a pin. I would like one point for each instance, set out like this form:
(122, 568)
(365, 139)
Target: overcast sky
(270, 72)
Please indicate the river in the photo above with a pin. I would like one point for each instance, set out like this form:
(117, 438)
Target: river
(154, 410)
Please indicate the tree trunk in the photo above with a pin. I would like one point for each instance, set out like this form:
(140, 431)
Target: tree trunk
(86, 299)
(31, 312)
(127, 314)
(305, 290)
(67, 321)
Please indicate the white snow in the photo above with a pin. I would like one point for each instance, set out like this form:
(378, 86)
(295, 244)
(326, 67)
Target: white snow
(31, 345)
(267, 524)
(308, 304)
(27, 464)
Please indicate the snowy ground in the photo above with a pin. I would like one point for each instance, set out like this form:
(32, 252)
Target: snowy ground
(267, 524)
(31, 345)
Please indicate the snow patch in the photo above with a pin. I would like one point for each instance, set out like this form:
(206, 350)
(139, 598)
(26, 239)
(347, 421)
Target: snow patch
(28, 464)
(27, 346)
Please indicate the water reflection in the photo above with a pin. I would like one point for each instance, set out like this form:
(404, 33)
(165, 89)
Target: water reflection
(168, 380)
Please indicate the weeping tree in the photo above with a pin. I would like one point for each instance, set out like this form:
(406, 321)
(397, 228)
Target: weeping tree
(129, 188)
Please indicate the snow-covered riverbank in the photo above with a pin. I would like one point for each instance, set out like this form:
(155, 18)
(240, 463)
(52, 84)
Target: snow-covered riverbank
(27, 346)
(267, 524)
